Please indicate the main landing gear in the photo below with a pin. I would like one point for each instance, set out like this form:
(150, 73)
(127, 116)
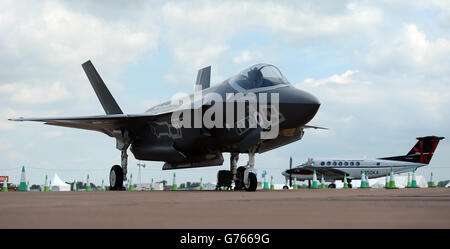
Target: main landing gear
(243, 176)
(350, 183)
(116, 178)
(118, 174)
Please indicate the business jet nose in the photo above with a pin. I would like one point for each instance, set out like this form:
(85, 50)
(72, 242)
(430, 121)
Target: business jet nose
(298, 106)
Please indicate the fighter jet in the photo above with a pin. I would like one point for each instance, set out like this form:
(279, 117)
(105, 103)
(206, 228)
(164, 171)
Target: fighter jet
(173, 132)
(334, 169)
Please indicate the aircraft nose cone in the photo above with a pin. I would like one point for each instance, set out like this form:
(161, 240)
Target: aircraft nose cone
(298, 106)
(308, 98)
(310, 103)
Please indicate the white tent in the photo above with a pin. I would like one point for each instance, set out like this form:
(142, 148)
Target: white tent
(58, 184)
(448, 185)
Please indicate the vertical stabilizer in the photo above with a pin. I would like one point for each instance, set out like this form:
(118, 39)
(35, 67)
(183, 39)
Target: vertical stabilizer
(106, 99)
(203, 79)
(422, 152)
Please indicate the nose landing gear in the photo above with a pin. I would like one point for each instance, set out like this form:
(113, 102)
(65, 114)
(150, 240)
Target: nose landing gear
(244, 178)
(250, 180)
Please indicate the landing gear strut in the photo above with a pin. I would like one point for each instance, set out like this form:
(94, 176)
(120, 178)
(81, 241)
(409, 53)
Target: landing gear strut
(250, 181)
(239, 182)
(124, 162)
(243, 176)
(286, 184)
(118, 174)
(234, 157)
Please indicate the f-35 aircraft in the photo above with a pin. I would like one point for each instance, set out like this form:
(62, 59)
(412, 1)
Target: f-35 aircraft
(334, 169)
(153, 136)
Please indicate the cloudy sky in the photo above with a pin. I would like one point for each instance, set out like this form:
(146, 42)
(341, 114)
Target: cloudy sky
(379, 68)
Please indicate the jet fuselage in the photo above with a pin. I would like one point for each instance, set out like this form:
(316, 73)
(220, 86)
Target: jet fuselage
(372, 168)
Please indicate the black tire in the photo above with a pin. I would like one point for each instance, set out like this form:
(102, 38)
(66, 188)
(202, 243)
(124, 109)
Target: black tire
(350, 185)
(332, 186)
(253, 183)
(116, 178)
(285, 187)
(239, 184)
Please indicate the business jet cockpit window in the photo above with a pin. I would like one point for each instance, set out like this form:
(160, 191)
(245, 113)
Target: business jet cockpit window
(260, 76)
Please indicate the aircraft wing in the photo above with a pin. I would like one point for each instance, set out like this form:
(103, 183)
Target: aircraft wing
(314, 127)
(102, 123)
(114, 119)
(326, 172)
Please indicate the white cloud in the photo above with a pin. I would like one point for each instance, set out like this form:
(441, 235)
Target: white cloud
(439, 9)
(306, 22)
(38, 94)
(47, 42)
(247, 56)
(410, 51)
(198, 32)
(344, 78)
(190, 57)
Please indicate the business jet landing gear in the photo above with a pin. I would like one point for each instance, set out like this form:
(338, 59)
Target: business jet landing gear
(286, 184)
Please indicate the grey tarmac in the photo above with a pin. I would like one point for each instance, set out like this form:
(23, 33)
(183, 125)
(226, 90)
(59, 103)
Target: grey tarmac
(305, 208)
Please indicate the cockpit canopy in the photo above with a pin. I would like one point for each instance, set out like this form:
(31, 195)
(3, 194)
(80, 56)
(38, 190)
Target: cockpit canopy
(259, 76)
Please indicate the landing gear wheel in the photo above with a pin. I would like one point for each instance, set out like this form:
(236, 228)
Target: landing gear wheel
(252, 182)
(332, 185)
(239, 183)
(285, 187)
(350, 185)
(116, 178)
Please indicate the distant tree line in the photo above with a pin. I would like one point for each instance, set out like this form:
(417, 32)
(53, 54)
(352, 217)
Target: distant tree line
(81, 185)
(190, 185)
